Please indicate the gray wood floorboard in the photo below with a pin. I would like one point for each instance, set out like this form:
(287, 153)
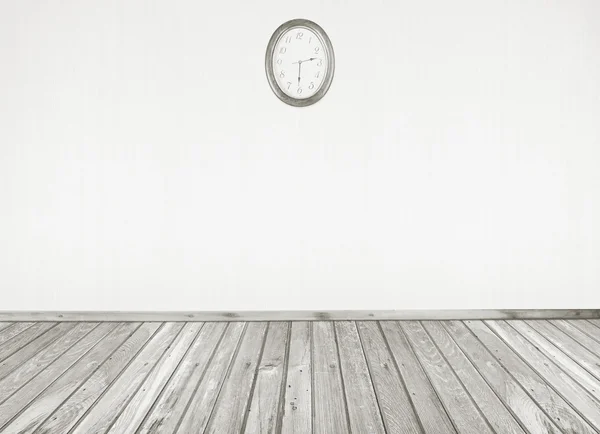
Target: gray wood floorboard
(473, 376)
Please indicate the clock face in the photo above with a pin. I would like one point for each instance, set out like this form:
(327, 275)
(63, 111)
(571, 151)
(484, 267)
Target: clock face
(300, 62)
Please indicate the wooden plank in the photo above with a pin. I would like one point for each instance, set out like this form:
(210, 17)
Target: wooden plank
(428, 406)
(264, 407)
(583, 377)
(116, 397)
(233, 401)
(13, 345)
(300, 315)
(33, 347)
(581, 337)
(142, 401)
(588, 328)
(363, 407)
(329, 406)
(203, 400)
(532, 418)
(3, 325)
(575, 395)
(10, 332)
(31, 367)
(297, 403)
(395, 404)
(457, 402)
(53, 396)
(498, 416)
(166, 413)
(96, 394)
(569, 346)
(545, 396)
(27, 393)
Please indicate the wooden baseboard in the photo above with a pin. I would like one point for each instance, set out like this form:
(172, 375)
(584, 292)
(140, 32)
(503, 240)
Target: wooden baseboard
(300, 315)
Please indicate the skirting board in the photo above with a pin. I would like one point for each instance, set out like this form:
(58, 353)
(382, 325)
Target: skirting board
(300, 315)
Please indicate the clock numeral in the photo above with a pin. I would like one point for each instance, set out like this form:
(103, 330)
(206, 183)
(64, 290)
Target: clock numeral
(289, 84)
(299, 35)
(282, 74)
(311, 85)
(317, 50)
(317, 74)
(320, 62)
(282, 50)
(288, 39)
(299, 90)
(279, 61)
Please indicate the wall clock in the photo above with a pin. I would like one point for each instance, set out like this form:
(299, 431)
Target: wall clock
(299, 62)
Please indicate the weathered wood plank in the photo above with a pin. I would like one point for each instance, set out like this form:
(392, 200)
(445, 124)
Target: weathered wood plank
(583, 377)
(13, 345)
(532, 418)
(200, 406)
(569, 346)
(499, 417)
(301, 315)
(29, 350)
(565, 386)
(77, 373)
(264, 407)
(3, 325)
(142, 401)
(329, 406)
(297, 404)
(13, 330)
(396, 407)
(550, 401)
(363, 408)
(76, 408)
(457, 402)
(428, 406)
(233, 401)
(30, 368)
(582, 338)
(588, 328)
(166, 413)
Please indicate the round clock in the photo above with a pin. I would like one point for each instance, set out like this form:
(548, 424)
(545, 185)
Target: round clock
(300, 62)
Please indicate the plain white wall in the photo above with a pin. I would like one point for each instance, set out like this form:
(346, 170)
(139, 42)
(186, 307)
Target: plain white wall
(146, 164)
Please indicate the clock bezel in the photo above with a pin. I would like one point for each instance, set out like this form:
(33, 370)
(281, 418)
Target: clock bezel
(327, 46)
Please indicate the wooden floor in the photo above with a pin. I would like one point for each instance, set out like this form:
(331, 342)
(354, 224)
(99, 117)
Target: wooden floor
(301, 377)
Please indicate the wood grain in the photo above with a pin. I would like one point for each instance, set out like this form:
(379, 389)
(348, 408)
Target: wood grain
(329, 406)
(581, 337)
(546, 397)
(498, 416)
(142, 401)
(395, 404)
(233, 400)
(13, 345)
(166, 413)
(457, 402)
(29, 368)
(297, 403)
(200, 406)
(583, 377)
(13, 330)
(429, 408)
(512, 394)
(363, 408)
(588, 328)
(264, 408)
(3, 325)
(53, 396)
(29, 350)
(76, 408)
(575, 395)
(569, 346)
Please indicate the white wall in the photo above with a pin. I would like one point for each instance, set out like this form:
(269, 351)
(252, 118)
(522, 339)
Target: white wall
(146, 164)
